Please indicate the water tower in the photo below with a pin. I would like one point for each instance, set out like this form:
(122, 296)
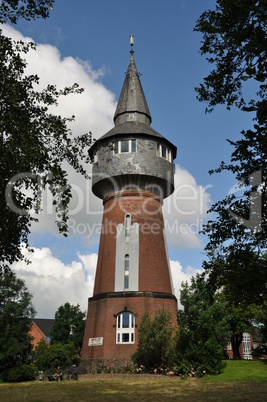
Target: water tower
(133, 172)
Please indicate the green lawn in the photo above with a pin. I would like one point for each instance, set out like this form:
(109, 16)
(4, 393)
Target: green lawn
(241, 381)
(242, 370)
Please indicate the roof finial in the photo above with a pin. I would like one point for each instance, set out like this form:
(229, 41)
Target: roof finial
(132, 44)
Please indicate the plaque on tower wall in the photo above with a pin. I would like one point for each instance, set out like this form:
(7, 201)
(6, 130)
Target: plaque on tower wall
(95, 341)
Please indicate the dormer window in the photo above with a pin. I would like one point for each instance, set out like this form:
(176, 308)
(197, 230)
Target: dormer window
(164, 152)
(124, 146)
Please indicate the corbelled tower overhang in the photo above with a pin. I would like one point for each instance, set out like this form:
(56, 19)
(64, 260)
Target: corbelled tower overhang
(133, 172)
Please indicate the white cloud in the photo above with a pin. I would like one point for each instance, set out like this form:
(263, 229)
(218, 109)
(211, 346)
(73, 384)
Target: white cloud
(53, 283)
(179, 276)
(185, 210)
(94, 108)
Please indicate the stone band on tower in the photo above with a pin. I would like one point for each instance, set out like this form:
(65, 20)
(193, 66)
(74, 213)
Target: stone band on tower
(133, 172)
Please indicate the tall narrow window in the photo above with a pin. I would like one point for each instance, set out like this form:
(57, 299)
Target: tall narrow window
(133, 145)
(125, 328)
(164, 152)
(246, 346)
(158, 149)
(126, 271)
(124, 146)
(96, 157)
(127, 225)
(116, 147)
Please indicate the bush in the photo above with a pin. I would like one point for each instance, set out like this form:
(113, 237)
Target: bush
(58, 354)
(155, 341)
(20, 374)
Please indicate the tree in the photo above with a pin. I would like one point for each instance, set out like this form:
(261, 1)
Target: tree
(241, 276)
(234, 37)
(203, 330)
(69, 325)
(155, 341)
(16, 315)
(51, 356)
(234, 40)
(12, 10)
(33, 142)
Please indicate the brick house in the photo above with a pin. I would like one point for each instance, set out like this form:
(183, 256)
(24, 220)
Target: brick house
(40, 330)
(249, 346)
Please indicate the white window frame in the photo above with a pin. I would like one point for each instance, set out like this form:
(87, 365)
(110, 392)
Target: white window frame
(117, 145)
(96, 157)
(126, 271)
(168, 152)
(229, 345)
(125, 335)
(247, 355)
(127, 225)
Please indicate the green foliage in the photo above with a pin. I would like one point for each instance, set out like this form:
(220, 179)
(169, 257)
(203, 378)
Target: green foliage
(16, 314)
(155, 341)
(19, 374)
(34, 143)
(12, 10)
(234, 38)
(234, 41)
(41, 355)
(69, 325)
(203, 330)
(51, 356)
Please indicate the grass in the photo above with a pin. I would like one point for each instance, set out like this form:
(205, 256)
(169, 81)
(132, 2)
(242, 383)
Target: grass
(242, 370)
(241, 381)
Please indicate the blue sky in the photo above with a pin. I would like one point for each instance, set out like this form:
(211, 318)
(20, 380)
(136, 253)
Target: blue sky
(89, 43)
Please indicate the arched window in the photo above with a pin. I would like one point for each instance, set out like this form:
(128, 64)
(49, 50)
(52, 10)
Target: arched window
(125, 327)
(127, 225)
(126, 271)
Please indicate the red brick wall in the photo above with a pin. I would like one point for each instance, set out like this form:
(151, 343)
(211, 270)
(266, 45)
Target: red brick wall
(101, 322)
(145, 208)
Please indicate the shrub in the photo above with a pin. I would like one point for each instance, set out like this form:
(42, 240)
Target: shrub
(155, 341)
(20, 374)
(58, 354)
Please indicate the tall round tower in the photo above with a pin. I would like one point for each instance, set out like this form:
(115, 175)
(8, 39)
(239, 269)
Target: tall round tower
(133, 172)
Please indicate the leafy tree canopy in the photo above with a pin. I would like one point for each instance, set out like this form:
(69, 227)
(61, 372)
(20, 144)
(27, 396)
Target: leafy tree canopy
(69, 325)
(16, 315)
(33, 142)
(51, 356)
(234, 38)
(12, 10)
(234, 41)
(203, 329)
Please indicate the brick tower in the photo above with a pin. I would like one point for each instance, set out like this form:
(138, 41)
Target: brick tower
(133, 172)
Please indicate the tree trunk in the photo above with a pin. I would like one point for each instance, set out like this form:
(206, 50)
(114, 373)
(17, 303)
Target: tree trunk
(236, 341)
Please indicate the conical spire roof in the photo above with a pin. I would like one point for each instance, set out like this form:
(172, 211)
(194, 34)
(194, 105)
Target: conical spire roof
(132, 115)
(132, 98)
